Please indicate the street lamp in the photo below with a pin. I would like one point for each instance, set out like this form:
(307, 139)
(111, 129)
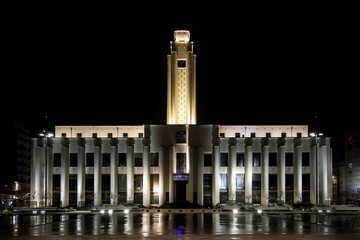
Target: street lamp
(316, 135)
(46, 135)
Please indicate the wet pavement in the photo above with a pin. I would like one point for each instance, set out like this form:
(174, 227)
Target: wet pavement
(180, 226)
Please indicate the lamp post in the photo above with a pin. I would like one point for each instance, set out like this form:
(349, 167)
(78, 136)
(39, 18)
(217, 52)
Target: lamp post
(46, 135)
(316, 135)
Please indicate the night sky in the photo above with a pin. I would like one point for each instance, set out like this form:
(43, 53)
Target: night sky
(83, 68)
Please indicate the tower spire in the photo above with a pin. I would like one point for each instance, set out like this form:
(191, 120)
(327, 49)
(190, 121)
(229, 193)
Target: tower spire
(181, 75)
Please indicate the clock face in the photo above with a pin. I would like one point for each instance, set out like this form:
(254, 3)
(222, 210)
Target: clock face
(181, 63)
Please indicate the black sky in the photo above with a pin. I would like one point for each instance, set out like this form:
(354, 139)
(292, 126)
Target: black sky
(282, 67)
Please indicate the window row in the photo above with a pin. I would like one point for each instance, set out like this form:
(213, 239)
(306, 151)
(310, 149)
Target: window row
(256, 181)
(95, 135)
(89, 160)
(253, 135)
(240, 159)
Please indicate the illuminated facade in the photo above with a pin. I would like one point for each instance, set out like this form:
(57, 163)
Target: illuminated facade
(204, 164)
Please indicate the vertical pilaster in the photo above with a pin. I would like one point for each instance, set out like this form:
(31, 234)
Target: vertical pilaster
(49, 173)
(114, 163)
(216, 175)
(39, 173)
(281, 194)
(190, 184)
(232, 169)
(64, 186)
(200, 176)
(130, 169)
(248, 170)
(172, 157)
(162, 176)
(313, 173)
(97, 172)
(323, 158)
(297, 174)
(146, 176)
(265, 172)
(81, 173)
(33, 173)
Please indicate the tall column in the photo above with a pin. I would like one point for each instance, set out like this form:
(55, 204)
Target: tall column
(162, 176)
(200, 176)
(248, 170)
(146, 176)
(281, 172)
(130, 169)
(97, 172)
(232, 169)
(49, 173)
(313, 173)
(297, 174)
(33, 173)
(64, 186)
(81, 173)
(114, 163)
(38, 163)
(172, 157)
(265, 172)
(216, 175)
(190, 184)
(323, 178)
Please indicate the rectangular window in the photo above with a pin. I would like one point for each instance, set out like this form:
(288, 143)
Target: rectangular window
(181, 63)
(305, 159)
(289, 159)
(252, 135)
(110, 135)
(237, 135)
(138, 159)
(223, 159)
(223, 181)
(272, 159)
(154, 159)
(298, 135)
(240, 181)
(306, 181)
(72, 182)
(289, 181)
(122, 159)
(56, 181)
(180, 162)
(125, 135)
(89, 182)
(272, 181)
(283, 135)
(63, 135)
(138, 184)
(89, 159)
(256, 159)
(207, 160)
(79, 135)
(222, 135)
(141, 135)
(105, 182)
(122, 184)
(57, 160)
(73, 160)
(240, 160)
(268, 135)
(207, 184)
(94, 135)
(256, 181)
(106, 160)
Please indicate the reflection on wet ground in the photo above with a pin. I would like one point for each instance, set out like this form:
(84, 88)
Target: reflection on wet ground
(189, 224)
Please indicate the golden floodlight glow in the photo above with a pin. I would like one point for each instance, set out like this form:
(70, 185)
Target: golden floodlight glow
(182, 36)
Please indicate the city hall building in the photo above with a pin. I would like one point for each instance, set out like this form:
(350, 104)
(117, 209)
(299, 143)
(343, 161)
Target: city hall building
(205, 164)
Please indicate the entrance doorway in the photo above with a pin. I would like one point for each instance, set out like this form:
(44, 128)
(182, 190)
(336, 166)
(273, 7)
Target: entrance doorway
(180, 190)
